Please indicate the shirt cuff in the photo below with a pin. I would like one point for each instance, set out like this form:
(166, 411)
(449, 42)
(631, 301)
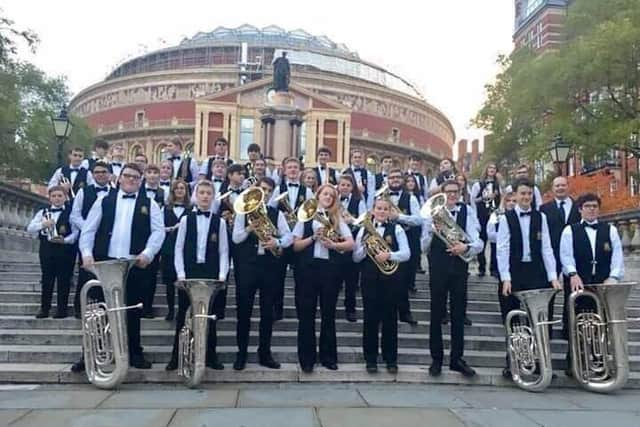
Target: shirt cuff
(86, 253)
(505, 277)
(147, 253)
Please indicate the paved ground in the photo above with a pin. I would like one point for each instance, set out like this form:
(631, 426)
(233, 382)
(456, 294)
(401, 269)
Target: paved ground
(318, 405)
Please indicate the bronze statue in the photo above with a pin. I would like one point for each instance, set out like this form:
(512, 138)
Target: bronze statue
(281, 73)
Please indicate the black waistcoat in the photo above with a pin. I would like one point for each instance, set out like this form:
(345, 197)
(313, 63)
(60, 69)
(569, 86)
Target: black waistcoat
(584, 257)
(81, 177)
(442, 260)
(300, 198)
(212, 258)
(369, 269)
(246, 252)
(413, 233)
(515, 245)
(170, 220)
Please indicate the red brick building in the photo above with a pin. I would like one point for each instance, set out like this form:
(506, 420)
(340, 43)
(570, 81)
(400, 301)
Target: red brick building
(538, 23)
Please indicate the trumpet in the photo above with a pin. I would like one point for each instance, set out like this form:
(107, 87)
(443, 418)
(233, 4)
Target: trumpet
(375, 245)
(251, 203)
(309, 211)
(52, 230)
(384, 193)
(66, 181)
(290, 213)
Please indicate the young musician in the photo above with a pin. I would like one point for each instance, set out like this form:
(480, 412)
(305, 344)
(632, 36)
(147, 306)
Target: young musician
(253, 152)
(379, 291)
(448, 275)
(125, 224)
(386, 163)
(141, 160)
(72, 177)
(525, 254)
(411, 186)
(323, 172)
(184, 167)
(317, 269)
(177, 206)
(407, 214)
(522, 172)
(57, 251)
(260, 169)
(100, 150)
(415, 165)
(152, 187)
(591, 253)
(447, 171)
(218, 175)
(220, 152)
(83, 202)
(485, 196)
(352, 206)
(258, 269)
(201, 252)
(366, 181)
(117, 161)
(166, 174)
(309, 179)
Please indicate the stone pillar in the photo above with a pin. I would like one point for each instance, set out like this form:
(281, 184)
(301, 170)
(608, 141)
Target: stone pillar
(625, 236)
(635, 240)
(281, 114)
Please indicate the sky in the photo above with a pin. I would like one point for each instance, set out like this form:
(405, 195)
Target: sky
(447, 48)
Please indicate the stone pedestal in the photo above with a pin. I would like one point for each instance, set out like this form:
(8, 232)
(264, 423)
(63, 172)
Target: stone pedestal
(281, 120)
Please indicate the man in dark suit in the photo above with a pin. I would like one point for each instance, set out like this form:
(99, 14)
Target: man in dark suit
(560, 212)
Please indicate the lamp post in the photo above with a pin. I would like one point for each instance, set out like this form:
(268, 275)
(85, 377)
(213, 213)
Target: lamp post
(62, 127)
(559, 152)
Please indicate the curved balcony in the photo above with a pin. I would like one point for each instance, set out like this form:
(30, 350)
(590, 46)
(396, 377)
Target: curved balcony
(391, 141)
(145, 126)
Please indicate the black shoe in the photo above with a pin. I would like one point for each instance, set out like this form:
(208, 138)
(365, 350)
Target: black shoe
(330, 365)
(268, 362)
(214, 364)
(307, 369)
(445, 319)
(77, 314)
(169, 317)
(392, 368)
(467, 321)
(277, 315)
(568, 372)
(372, 368)
(148, 315)
(462, 367)
(408, 318)
(436, 368)
(241, 362)
(413, 290)
(139, 362)
(506, 374)
(60, 314)
(172, 365)
(351, 316)
(78, 366)
(481, 273)
(42, 314)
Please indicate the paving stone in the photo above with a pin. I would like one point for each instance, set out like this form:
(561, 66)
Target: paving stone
(246, 417)
(171, 399)
(473, 417)
(585, 418)
(623, 400)
(484, 397)
(319, 396)
(392, 395)
(387, 417)
(7, 416)
(96, 418)
(43, 399)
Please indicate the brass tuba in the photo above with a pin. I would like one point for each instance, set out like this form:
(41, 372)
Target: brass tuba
(443, 224)
(375, 244)
(290, 213)
(598, 338)
(192, 341)
(528, 342)
(251, 203)
(104, 324)
(309, 211)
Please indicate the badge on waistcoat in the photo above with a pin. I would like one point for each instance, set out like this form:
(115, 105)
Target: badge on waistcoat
(404, 211)
(144, 210)
(607, 247)
(539, 235)
(389, 240)
(63, 229)
(214, 237)
(81, 185)
(300, 199)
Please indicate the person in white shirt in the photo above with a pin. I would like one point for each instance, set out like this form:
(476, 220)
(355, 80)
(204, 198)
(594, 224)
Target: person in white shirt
(323, 172)
(185, 167)
(117, 161)
(447, 171)
(166, 175)
(386, 163)
(220, 152)
(415, 166)
(365, 179)
(522, 172)
(72, 177)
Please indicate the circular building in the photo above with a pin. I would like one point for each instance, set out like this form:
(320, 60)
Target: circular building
(217, 84)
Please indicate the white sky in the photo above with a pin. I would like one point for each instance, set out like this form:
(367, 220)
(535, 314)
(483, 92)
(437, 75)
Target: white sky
(446, 48)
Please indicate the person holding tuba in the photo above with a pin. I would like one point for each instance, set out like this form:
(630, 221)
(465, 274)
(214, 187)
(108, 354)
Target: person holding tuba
(524, 251)
(258, 262)
(591, 253)
(448, 275)
(380, 289)
(201, 252)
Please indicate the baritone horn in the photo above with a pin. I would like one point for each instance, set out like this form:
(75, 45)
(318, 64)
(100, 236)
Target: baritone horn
(192, 340)
(104, 324)
(375, 245)
(598, 337)
(251, 203)
(289, 212)
(443, 224)
(528, 342)
(309, 211)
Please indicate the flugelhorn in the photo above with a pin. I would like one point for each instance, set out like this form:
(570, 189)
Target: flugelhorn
(104, 324)
(52, 230)
(66, 181)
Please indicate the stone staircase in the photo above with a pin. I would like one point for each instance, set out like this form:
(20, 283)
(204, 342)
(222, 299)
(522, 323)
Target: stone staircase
(42, 350)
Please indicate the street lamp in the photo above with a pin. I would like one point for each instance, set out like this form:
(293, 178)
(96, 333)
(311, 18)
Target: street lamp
(559, 152)
(62, 129)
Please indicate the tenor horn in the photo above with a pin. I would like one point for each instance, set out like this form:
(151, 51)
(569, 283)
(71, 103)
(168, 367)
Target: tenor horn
(443, 224)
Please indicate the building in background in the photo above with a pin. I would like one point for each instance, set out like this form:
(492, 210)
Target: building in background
(538, 23)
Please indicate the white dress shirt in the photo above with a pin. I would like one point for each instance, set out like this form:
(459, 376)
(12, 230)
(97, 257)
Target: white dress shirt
(401, 255)
(35, 226)
(472, 229)
(370, 184)
(57, 177)
(362, 207)
(537, 197)
(567, 256)
(240, 233)
(492, 228)
(293, 194)
(324, 174)
(76, 210)
(120, 244)
(503, 249)
(202, 225)
(319, 251)
(194, 167)
(568, 203)
(116, 167)
(413, 218)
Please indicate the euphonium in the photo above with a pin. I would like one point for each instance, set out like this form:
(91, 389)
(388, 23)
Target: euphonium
(309, 210)
(528, 342)
(376, 244)
(251, 203)
(598, 338)
(192, 341)
(290, 213)
(104, 324)
(443, 224)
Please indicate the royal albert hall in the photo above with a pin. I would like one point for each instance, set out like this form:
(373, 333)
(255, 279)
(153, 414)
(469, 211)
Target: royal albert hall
(217, 84)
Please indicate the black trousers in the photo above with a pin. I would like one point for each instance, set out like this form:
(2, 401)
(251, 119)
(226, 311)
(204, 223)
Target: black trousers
(349, 275)
(212, 336)
(482, 259)
(152, 283)
(137, 281)
(84, 276)
(169, 277)
(262, 276)
(494, 260)
(407, 281)
(56, 264)
(278, 297)
(443, 281)
(379, 297)
(318, 283)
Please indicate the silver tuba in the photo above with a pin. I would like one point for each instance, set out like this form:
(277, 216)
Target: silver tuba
(528, 342)
(443, 224)
(598, 338)
(104, 324)
(192, 341)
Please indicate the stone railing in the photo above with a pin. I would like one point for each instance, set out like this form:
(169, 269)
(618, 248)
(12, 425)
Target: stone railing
(173, 123)
(17, 207)
(628, 224)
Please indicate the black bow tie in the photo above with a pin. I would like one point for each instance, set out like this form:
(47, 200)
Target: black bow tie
(343, 198)
(380, 224)
(155, 190)
(217, 180)
(322, 168)
(594, 225)
(205, 213)
(99, 189)
(358, 169)
(116, 164)
(238, 191)
(74, 169)
(178, 205)
(165, 183)
(52, 210)
(172, 158)
(528, 213)
(453, 211)
(394, 193)
(291, 184)
(129, 196)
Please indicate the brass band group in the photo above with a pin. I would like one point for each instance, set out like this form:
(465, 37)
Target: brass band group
(352, 230)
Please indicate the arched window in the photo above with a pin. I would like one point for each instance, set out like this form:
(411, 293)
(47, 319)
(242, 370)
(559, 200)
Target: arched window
(134, 149)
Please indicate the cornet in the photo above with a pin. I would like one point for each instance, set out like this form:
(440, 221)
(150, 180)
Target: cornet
(52, 230)
(66, 181)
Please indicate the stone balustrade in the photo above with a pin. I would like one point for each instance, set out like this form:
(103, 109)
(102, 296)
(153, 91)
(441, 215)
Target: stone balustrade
(17, 207)
(628, 224)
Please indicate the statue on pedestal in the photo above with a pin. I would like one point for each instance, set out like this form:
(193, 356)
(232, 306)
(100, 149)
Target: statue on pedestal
(281, 73)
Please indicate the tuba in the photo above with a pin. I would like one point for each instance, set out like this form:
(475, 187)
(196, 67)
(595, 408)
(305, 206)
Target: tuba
(290, 213)
(309, 211)
(598, 338)
(192, 341)
(443, 224)
(376, 244)
(104, 324)
(251, 203)
(528, 342)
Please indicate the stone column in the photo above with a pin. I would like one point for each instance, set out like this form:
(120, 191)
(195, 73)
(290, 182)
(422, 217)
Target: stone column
(280, 113)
